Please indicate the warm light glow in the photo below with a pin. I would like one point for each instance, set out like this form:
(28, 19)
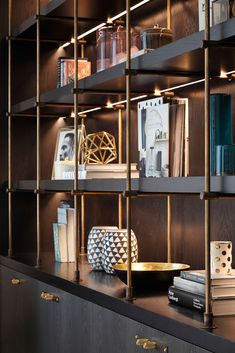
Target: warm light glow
(109, 20)
(157, 92)
(65, 45)
(109, 105)
(123, 13)
(181, 86)
(72, 115)
(89, 111)
(72, 40)
(223, 74)
(81, 36)
(230, 72)
(139, 97)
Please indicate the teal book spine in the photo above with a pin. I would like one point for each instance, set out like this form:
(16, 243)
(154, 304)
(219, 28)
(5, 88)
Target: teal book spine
(220, 125)
(56, 242)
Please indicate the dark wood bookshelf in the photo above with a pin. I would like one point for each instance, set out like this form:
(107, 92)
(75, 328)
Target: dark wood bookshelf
(169, 60)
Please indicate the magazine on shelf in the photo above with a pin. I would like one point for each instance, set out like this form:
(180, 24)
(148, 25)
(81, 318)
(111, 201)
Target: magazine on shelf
(163, 138)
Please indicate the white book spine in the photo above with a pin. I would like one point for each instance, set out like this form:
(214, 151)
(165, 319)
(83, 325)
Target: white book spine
(189, 286)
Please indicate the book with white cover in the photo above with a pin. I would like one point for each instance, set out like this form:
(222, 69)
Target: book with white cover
(218, 279)
(157, 140)
(60, 242)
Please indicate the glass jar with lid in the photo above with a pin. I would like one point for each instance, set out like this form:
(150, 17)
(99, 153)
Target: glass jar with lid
(103, 46)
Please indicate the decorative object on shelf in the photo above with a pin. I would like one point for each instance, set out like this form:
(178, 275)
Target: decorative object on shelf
(118, 52)
(221, 257)
(150, 274)
(104, 46)
(63, 167)
(221, 132)
(163, 137)
(115, 249)
(225, 160)
(220, 11)
(156, 37)
(99, 148)
(95, 246)
(66, 70)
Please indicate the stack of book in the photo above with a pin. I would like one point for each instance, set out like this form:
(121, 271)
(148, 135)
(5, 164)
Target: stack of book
(66, 70)
(64, 235)
(189, 291)
(106, 171)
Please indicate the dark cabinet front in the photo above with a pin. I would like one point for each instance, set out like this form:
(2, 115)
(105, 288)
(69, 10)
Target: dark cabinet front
(39, 318)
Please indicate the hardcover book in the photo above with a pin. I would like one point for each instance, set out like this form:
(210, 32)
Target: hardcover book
(199, 276)
(66, 70)
(220, 307)
(220, 124)
(217, 291)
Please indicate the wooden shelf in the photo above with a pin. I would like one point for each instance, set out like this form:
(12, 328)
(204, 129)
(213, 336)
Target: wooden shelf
(183, 56)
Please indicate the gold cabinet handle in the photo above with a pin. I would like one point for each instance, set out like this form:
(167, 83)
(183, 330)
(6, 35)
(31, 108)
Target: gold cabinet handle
(147, 343)
(49, 297)
(140, 340)
(15, 281)
(150, 345)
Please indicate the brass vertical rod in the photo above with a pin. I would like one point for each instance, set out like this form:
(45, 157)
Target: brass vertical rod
(208, 316)
(169, 14)
(169, 245)
(82, 51)
(38, 137)
(76, 196)
(129, 289)
(82, 209)
(9, 131)
(120, 208)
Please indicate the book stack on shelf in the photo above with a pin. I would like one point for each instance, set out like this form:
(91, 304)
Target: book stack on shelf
(189, 291)
(63, 233)
(106, 171)
(66, 70)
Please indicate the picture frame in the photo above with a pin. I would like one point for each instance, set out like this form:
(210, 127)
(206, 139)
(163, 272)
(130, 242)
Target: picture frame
(64, 156)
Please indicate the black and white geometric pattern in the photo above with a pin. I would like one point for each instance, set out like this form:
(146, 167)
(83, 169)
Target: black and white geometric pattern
(95, 246)
(115, 249)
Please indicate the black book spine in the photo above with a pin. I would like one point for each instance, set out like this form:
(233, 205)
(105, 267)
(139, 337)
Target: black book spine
(59, 73)
(188, 300)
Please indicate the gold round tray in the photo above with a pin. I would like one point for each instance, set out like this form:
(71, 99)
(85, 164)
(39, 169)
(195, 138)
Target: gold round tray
(150, 274)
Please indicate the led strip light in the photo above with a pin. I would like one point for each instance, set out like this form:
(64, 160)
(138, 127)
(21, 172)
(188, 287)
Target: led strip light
(110, 20)
(157, 92)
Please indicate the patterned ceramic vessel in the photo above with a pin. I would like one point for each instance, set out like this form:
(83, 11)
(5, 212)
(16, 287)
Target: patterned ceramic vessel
(95, 245)
(115, 249)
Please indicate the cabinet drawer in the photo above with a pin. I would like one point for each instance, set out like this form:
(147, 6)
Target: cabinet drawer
(42, 318)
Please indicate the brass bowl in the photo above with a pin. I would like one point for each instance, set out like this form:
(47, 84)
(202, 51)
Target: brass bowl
(150, 274)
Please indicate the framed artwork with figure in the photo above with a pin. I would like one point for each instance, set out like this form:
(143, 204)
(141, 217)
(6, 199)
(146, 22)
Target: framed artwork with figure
(63, 166)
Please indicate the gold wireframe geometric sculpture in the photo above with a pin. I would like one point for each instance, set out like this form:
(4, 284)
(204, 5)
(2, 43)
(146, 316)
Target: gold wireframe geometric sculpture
(99, 148)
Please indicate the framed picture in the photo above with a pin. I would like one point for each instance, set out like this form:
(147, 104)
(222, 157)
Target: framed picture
(63, 167)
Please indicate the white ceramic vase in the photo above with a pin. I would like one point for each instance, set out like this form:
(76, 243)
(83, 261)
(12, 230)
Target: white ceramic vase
(95, 246)
(115, 249)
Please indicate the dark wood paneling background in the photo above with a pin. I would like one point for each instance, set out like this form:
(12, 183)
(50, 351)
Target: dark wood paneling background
(149, 214)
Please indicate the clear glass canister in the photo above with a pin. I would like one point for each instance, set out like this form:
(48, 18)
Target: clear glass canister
(103, 46)
(118, 53)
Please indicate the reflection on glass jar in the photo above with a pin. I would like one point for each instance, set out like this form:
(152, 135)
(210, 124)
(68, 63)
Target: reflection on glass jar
(118, 53)
(103, 45)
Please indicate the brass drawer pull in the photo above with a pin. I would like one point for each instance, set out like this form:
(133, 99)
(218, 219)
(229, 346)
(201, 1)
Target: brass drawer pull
(150, 345)
(15, 281)
(147, 343)
(49, 297)
(140, 341)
